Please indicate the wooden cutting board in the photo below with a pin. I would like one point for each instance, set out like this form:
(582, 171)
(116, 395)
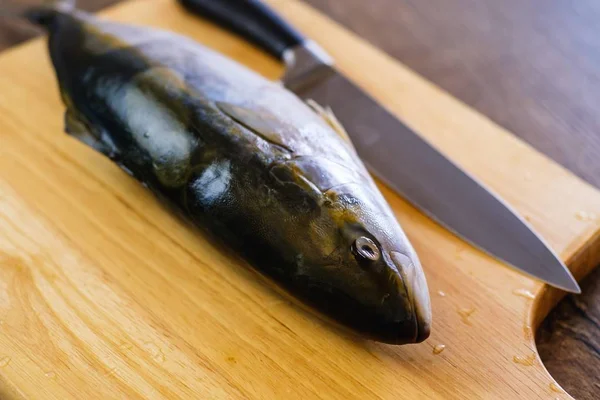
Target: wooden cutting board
(106, 295)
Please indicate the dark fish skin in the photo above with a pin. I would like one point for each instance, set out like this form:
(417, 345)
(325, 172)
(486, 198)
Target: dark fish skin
(246, 160)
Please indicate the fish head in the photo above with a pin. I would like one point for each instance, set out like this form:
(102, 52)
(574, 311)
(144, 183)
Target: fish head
(369, 276)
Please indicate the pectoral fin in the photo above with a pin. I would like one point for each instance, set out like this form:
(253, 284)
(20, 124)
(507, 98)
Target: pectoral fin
(261, 123)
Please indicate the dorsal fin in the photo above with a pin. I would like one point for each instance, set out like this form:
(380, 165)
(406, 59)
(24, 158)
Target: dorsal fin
(329, 117)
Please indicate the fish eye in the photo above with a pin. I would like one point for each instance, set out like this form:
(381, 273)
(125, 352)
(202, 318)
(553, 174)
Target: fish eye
(365, 249)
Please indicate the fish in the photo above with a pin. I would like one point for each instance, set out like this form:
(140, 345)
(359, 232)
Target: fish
(272, 177)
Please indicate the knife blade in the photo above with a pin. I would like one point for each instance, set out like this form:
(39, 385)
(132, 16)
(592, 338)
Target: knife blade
(395, 154)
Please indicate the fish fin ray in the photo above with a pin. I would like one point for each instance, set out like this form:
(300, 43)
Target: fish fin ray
(327, 114)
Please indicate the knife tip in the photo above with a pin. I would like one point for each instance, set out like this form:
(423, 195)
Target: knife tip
(572, 287)
(567, 282)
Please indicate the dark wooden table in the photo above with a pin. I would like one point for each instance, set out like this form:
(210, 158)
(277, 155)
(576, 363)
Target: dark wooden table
(532, 66)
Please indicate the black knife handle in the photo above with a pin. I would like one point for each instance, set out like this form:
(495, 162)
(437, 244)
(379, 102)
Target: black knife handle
(252, 19)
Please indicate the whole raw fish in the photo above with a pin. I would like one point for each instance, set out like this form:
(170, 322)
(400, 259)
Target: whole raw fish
(272, 177)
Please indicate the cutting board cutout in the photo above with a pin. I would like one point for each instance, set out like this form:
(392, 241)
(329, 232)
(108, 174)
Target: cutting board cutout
(104, 294)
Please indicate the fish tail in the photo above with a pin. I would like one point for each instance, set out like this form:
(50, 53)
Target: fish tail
(42, 14)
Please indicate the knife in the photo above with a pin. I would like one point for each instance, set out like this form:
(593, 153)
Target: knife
(392, 152)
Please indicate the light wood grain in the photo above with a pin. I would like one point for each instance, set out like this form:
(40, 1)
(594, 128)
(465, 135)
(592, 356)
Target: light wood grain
(104, 294)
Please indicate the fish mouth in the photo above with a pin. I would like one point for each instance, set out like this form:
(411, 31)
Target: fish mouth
(392, 321)
(423, 329)
(417, 292)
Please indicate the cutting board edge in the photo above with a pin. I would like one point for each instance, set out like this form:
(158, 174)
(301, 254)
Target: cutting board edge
(583, 261)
